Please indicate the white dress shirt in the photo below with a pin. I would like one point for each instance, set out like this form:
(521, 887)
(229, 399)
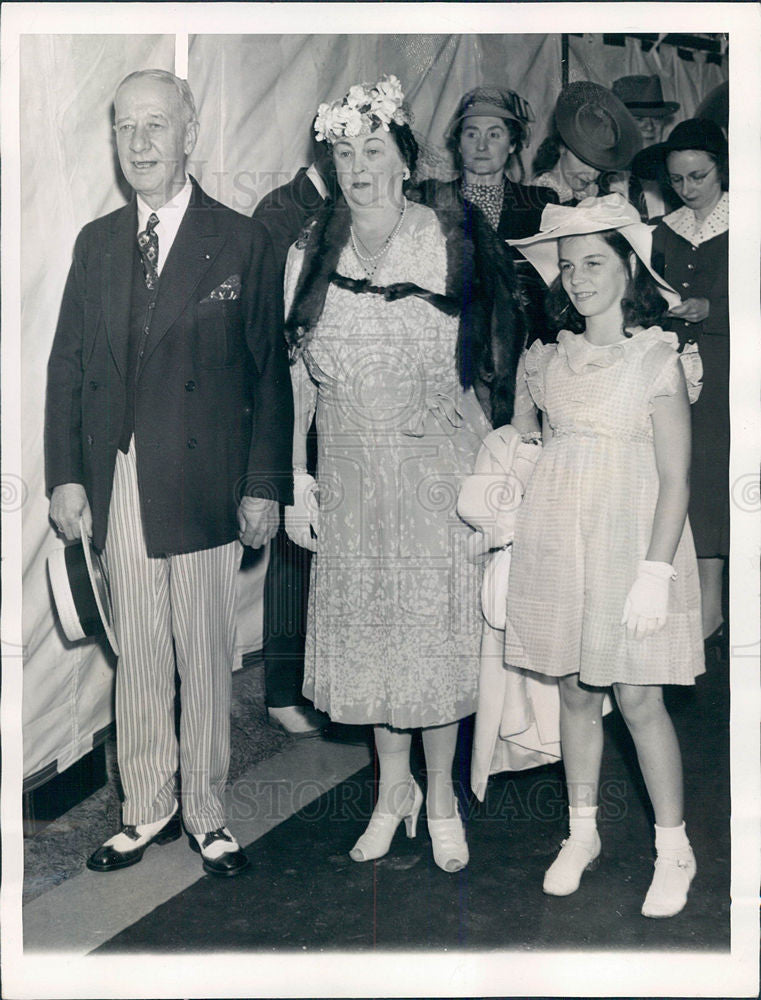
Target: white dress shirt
(170, 217)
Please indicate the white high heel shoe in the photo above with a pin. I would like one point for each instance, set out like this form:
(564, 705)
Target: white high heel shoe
(376, 840)
(450, 849)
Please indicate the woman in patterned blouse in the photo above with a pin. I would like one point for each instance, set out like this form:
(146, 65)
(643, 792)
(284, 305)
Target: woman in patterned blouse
(485, 138)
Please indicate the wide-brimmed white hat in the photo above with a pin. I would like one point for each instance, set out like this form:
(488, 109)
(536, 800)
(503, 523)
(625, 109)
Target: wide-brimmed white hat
(592, 215)
(82, 598)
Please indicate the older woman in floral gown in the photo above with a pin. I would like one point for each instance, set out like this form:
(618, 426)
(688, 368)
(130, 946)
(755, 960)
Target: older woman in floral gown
(406, 331)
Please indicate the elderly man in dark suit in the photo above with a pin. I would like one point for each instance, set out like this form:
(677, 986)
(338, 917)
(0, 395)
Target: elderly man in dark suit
(168, 438)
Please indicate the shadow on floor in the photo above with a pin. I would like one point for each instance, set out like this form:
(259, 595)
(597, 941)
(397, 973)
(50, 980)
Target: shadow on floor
(303, 892)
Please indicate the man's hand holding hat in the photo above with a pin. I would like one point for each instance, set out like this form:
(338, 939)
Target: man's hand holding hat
(69, 505)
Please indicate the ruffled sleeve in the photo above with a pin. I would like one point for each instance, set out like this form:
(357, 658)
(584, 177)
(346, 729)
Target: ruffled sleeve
(534, 362)
(668, 367)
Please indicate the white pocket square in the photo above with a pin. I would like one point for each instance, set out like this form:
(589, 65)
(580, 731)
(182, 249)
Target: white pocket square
(228, 289)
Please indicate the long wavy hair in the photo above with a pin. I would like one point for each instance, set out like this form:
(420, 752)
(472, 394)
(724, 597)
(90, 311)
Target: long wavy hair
(641, 305)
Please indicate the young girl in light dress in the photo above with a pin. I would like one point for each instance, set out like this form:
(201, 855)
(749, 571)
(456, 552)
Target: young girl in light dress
(603, 588)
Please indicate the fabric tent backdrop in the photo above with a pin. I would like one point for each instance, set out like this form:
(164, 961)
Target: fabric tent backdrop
(256, 97)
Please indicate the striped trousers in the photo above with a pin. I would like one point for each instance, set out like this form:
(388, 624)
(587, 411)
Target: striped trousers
(170, 610)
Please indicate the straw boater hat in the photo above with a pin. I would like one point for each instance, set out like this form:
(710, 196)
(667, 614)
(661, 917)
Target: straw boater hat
(80, 591)
(643, 96)
(596, 126)
(592, 215)
(695, 133)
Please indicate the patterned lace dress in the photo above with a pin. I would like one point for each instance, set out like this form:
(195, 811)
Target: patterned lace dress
(587, 517)
(394, 622)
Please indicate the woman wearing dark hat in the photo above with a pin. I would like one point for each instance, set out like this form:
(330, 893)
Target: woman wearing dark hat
(556, 166)
(691, 250)
(592, 132)
(485, 137)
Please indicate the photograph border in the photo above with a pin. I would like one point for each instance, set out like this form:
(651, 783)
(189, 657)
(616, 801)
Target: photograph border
(546, 973)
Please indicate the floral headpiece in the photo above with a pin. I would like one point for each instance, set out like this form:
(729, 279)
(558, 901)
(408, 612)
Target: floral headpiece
(366, 108)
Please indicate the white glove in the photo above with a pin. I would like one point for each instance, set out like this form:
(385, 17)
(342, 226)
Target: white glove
(304, 516)
(646, 606)
(479, 545)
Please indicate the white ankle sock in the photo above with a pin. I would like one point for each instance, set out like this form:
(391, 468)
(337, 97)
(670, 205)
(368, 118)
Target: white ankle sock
(583, 822)
(671, 838)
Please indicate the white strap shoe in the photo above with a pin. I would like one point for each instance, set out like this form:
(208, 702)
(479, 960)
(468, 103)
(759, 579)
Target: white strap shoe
(450, 849)
(575, 857)
(376, 840)
(674, 871)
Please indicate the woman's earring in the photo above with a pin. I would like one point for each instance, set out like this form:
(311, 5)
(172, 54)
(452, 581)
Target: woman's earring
(406, 174)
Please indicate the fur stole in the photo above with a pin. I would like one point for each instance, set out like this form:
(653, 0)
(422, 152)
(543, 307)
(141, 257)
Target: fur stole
(481, 287)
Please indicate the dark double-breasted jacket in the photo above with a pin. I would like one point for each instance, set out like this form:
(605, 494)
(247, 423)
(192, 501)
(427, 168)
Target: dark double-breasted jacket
(213, 410)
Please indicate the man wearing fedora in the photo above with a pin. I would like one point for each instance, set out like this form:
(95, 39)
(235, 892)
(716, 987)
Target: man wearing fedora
(643, 97)
(168, 433)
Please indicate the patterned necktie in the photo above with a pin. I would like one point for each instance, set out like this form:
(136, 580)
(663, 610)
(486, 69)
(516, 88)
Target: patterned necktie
(148, 245)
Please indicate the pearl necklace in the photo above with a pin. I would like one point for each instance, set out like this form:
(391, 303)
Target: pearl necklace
(371, 261)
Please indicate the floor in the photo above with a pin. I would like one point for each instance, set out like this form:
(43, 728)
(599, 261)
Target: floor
(298, 806)
(59, 851)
